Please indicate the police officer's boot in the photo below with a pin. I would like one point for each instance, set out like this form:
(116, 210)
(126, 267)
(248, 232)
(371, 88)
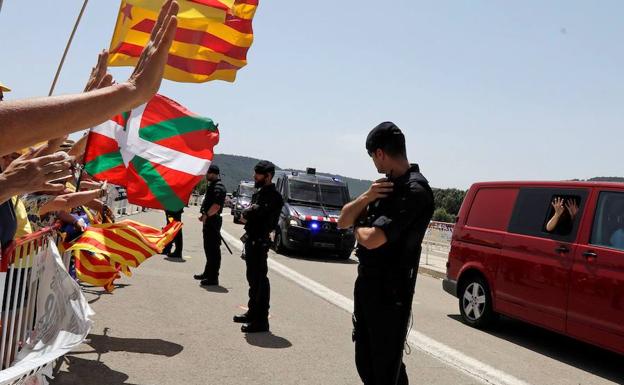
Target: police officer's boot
(255, 327)
(242, 318)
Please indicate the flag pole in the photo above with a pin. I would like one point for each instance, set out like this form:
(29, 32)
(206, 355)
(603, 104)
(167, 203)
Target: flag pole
(71, 37)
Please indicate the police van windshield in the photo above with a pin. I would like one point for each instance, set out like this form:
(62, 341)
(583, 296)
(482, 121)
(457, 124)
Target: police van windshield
(245, 191)
(310, 192)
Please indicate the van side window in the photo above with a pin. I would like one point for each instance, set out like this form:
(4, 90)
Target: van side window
(536, 207)
(608, 227)
(562, 214)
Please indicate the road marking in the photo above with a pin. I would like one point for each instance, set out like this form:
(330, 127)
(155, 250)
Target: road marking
(452, 357)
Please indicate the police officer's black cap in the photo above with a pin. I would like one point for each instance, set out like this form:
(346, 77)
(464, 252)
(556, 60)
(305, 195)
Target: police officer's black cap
(213, 169)
(382, 134)
(265, 167)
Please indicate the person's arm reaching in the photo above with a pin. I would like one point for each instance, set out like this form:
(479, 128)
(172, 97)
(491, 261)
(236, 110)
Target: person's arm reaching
(557, 205)
(27, 174)
(31, 121)
(99, 78)
(67, 202)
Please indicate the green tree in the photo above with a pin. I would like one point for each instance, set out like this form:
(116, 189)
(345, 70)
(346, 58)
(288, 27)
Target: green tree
(441, 215)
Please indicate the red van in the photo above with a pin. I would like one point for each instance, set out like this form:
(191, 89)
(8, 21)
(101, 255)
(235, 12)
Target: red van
(507, 258)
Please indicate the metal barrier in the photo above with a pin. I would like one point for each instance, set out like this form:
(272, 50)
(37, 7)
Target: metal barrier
(437, 240)
(122, 207)
(18, 287)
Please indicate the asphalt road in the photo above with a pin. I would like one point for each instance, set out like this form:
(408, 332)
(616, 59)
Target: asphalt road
(161, 327)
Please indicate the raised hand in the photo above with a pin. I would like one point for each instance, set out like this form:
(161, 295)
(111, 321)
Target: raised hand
(28, 174)
(381, 188)
(557, 204)
(572, 207)
(149, 70)
(99, 78)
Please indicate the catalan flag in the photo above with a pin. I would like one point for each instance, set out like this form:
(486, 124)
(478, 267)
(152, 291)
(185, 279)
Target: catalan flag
(96, 269)
(159, 151)
(104, 251)
(127, 242)
(211, 41)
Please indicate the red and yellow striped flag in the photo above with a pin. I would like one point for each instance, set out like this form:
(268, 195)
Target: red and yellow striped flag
(211, 41)
(96, 269)
(125, 244)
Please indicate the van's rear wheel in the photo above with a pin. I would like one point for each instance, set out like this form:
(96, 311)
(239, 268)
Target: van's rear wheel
(475, 302)
(278, 244)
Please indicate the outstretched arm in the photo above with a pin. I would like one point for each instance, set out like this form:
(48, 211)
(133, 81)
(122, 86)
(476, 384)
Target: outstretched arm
(31, 121)
(66, 202)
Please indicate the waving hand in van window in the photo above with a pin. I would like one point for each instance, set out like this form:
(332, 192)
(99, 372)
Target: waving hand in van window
(563, 208)
(572, 207)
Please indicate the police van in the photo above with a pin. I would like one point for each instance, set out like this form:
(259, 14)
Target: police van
(309, 217)
(241, 198)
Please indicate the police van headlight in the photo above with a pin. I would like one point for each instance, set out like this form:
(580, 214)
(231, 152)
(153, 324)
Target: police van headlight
(294, 221)
(239, 206)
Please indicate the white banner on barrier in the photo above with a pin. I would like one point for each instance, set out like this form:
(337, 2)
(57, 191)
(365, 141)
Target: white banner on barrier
(63, 321)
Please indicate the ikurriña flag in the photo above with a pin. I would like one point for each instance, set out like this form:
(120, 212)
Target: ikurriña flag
(211, 41)
(159, 152)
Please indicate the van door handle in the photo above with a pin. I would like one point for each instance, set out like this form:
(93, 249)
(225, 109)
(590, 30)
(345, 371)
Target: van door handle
(590, 254)
(562, 250)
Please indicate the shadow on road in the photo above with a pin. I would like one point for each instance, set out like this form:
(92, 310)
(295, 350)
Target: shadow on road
(592, 359)
(95, 372)
(98, 292)
(215, 289)
(83, 371)
(102, 344)
(267, 340)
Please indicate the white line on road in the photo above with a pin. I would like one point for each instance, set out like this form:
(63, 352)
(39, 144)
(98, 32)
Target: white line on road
(452, 357)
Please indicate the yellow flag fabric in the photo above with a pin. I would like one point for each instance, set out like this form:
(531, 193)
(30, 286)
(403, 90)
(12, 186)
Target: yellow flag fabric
(211, 41)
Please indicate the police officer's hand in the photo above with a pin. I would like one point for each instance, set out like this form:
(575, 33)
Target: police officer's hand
(381, 188)
(202, 218)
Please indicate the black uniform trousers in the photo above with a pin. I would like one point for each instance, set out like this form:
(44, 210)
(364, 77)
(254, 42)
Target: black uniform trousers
(259, 287)
(177, 241)
(212, 247)
(382, 308)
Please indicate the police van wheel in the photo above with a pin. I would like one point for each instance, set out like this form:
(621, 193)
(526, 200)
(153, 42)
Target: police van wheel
(278, 244)
(475, 302)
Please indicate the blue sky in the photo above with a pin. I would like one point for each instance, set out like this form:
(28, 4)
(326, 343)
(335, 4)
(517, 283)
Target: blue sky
(483, 90)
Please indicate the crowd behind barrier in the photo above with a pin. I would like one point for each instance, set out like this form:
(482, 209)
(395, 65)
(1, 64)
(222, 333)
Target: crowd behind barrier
(21, 289)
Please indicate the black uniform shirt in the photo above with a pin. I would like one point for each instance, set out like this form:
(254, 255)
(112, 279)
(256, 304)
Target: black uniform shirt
(403, 216)
(215, 193)
(263, 213)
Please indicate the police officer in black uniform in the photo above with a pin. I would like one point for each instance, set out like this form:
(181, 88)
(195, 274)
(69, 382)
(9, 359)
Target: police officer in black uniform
(178, 240)
(390, 221)
(211, 218)
(260, 219)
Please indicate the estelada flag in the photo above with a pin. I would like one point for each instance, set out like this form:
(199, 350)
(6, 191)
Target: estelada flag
(211, 41)
(159, 152)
